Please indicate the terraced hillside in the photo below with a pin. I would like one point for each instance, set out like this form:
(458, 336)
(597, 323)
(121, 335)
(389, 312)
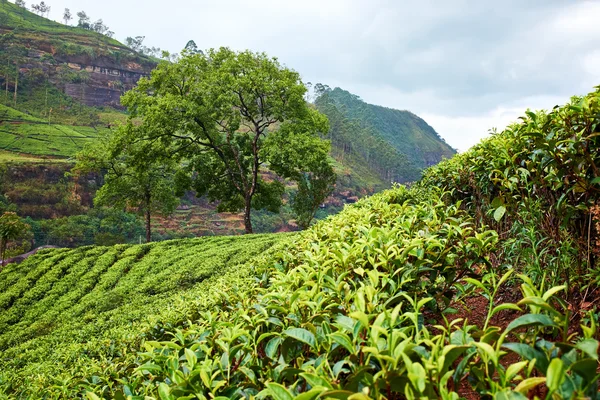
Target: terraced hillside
(21, 133)
(66, 304)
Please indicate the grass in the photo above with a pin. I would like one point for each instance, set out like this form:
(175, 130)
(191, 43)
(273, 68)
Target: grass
(12, 157)
(20, 18)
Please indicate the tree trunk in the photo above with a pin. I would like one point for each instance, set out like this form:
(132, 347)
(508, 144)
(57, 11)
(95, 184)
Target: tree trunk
(247, 219)
(16, 85)
(2, 250)
(148, 226)
(148, 219)
(6, 83)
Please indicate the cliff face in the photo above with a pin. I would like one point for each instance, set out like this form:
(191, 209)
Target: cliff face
(86, 65)
(106, 83)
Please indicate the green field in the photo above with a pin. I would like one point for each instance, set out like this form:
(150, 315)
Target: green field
(21, 133)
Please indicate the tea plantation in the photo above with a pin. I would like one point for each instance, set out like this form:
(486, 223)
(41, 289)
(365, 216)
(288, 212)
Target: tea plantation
(367, 304)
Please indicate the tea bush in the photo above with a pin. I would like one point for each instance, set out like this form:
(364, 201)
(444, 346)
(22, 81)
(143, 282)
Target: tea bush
(64, 309)
(358, 307)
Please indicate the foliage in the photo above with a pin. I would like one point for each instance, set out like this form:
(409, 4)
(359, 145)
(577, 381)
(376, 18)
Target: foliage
(354, 143)
(412, 137)
(66, 314)
(136, 176)
(538, 180)
(216, 109)
(11, 228)
(100, 226)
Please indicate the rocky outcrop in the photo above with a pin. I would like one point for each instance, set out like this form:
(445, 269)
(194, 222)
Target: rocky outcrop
(94, 73)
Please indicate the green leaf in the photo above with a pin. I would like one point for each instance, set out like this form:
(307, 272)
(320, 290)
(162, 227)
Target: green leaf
(191, 358)
(301, 335)
(555, 374)
(589, 347)
(310, 395)
(488, 351)
(316, 381)
(336, 394)
(164, 391)
(279, 392)
(343, 340)
(91, 396)
(585, 368)
(362, 317)
(514, 369)
(499, 213)
(506, 306)
(529, 353)
(149, 367)
(530, 320)
(508, 394)
(525, 386)
(272, 347)
(346, 322)
(550, 292)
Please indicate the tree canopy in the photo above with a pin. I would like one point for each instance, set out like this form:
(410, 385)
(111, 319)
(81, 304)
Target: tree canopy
(137, 175)
(216, 109)
(11, 227)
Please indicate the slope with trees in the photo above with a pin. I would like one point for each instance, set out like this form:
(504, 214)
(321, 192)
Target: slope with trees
(410, 135)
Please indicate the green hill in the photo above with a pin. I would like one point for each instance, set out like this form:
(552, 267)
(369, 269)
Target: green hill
(22, 133)
(62, 72)
(410, 135)
(479, 281)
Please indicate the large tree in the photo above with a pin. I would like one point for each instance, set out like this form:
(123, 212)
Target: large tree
(67, 16)
(138, 175)
(217, 109)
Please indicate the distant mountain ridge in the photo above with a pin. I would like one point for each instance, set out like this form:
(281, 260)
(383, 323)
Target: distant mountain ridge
(406, 132)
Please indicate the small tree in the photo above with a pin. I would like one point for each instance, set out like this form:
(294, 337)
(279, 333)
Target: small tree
(138, 175)
(67, 17)
(20, 3)
(302, 157)
(192, 48)
(11, 227)
(84, 20)
(41, 9)
(136, 44)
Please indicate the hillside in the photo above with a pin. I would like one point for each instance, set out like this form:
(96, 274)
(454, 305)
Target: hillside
(479, 281)
(23, 133)
(53, 64)
(410, 135)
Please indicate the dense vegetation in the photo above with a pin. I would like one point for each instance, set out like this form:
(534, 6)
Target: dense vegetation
(66, 304)
(404, 131)
(363, 304)
(357, 145)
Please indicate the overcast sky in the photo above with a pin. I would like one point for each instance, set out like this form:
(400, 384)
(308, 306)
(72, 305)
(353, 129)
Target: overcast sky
(464, 66)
